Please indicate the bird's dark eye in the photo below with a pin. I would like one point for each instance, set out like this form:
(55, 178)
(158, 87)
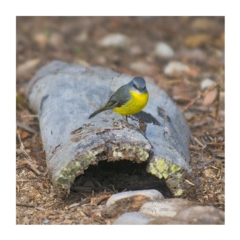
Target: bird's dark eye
(134, 85)
(144, 88)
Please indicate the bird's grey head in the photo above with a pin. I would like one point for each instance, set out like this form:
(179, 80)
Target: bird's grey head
(138, 84)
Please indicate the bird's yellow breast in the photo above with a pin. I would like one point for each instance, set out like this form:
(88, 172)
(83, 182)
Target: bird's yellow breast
(136, 103)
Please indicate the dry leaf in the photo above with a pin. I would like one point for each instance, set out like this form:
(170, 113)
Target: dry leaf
(27, 66)
(210, 97)
(24, 134)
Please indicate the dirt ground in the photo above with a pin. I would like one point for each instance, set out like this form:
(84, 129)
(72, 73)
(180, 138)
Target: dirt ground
(197, 41)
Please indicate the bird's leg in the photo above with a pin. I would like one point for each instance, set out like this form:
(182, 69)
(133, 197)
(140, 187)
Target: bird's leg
(132, 124)
(140, 122)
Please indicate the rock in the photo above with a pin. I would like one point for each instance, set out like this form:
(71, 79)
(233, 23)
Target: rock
(201, 215)
(133, 218)
(193, 215)
(130, 201)
(117, 40)
(165, 207)
(206, 83)
(150, 194)
(167, 220)
(162, 49)
(175, 67)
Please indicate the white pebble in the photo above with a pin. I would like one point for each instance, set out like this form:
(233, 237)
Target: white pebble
(162, 49)
(206, 83)
(175, 67)
(140, 67)
(114, 40)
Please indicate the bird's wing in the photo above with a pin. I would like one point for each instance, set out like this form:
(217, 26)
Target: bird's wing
(119, 98)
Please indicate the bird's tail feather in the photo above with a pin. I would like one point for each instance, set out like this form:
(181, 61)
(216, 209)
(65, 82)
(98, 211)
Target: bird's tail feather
(110, 105)
(96, 112)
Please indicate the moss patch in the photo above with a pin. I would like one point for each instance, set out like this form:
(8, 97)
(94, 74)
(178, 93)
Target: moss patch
(170, 172)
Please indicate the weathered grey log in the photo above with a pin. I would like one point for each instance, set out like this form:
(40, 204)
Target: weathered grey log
(64, 95)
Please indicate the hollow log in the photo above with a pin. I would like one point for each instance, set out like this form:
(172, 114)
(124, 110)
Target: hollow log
(64, 95)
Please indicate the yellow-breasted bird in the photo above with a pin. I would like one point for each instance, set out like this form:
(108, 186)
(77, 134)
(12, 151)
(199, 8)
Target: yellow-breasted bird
(128, 99)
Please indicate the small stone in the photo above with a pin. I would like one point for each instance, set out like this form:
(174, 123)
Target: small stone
(115, 40)
(201, 215)
(45, 221)
(139, 67)
(175, 67)
(135, 50)
(162, 49)
(56, 40)
(165, 207)
(132, 218)
(188, 115)
(41, 39)
(206, 83)
(82, 37)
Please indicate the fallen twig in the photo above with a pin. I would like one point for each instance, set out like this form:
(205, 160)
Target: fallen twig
(216, 144)
(190, 183)
(200, 95)
(24, 205)
(27, 128)
(198, 142)
(29, 161)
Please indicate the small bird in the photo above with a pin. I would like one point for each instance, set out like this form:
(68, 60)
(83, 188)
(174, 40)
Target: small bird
(128, 99)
